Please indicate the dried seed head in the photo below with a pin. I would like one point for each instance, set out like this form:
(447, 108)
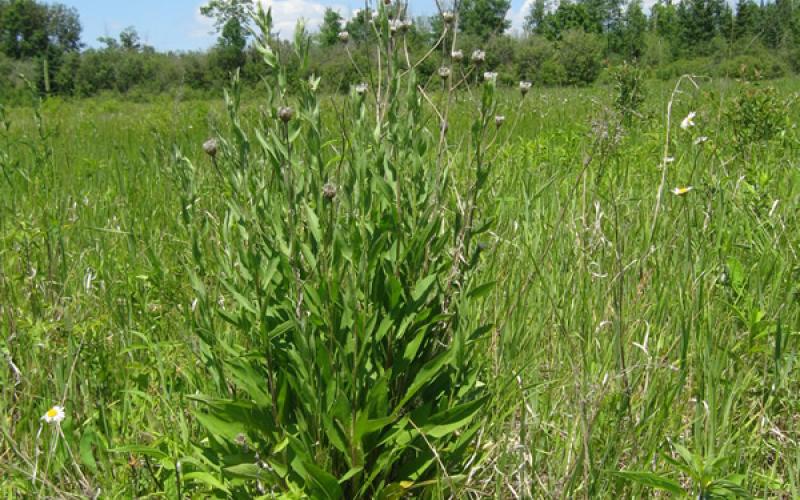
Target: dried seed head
(444, 72)
(478, 56)
(525, 87)
(448, 17)
(210, 147)
(406, 25)
(329, 191)
(499, 120)
(490, 76)
(344, 36)
(362, 88)
(457, 56)
(286, 114)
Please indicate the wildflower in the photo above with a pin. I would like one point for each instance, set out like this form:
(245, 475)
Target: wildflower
(344, 36)
(329, 191)
(286, 114)
(448, 17)
(375, 15)
(688, 121)
(457, 55)
(444, 72)
(210, 147)
(54, 415)
(525, 87)
(406, 25)
(361, 88)
(490, 76)
(478, 56)
(680, 191)
(499, 120)
(700, 140)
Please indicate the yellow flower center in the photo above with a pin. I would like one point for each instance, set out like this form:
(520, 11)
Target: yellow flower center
(52, 412)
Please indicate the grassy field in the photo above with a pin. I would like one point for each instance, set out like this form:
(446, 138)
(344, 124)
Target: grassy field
(636, 338)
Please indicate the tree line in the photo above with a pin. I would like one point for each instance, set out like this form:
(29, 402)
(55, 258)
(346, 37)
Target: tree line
(566, 42)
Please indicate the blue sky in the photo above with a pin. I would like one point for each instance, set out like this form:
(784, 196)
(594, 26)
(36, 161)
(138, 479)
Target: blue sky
(178, 25)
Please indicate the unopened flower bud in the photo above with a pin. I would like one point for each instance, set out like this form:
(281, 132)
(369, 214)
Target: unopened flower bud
(286, 114)
(210, 147)
(329, 191)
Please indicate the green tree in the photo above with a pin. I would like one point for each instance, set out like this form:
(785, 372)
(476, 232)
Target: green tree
(222, 11)
(747, 20)
(32, 29)
(129, 39)
(581, 54)
(484, 18)
(569, 16)
(330, 29)
(536, 17)
(228, 54)
(633, 31)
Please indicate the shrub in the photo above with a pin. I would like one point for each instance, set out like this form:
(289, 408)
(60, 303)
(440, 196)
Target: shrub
(756, 115)
(581, 55)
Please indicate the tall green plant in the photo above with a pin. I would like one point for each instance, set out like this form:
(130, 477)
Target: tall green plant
(333, 288)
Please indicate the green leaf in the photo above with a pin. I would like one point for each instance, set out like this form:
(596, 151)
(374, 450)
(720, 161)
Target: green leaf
(482, 290)
(325, 485)
(428, 372)
(141, 450)
(422, 287)
(207, 479)
(451, 420)
(86, 450)
(652, 480)
(246, 471)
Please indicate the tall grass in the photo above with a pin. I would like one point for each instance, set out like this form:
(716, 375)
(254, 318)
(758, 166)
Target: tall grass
(622, 355)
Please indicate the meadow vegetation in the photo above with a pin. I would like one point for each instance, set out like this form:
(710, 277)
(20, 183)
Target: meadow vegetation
(428, 287)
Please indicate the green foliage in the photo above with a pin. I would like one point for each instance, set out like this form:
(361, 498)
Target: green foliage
(581, 55)
(629, 82)
(484, 18)
(757, 115)
(330, 29)
(345, 365)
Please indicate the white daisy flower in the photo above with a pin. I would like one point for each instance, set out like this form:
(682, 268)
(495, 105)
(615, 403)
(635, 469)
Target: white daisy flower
(54, 415)
(688, 121)
(680, 191)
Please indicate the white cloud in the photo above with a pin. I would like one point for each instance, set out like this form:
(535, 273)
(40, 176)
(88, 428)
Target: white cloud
(517, 17)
